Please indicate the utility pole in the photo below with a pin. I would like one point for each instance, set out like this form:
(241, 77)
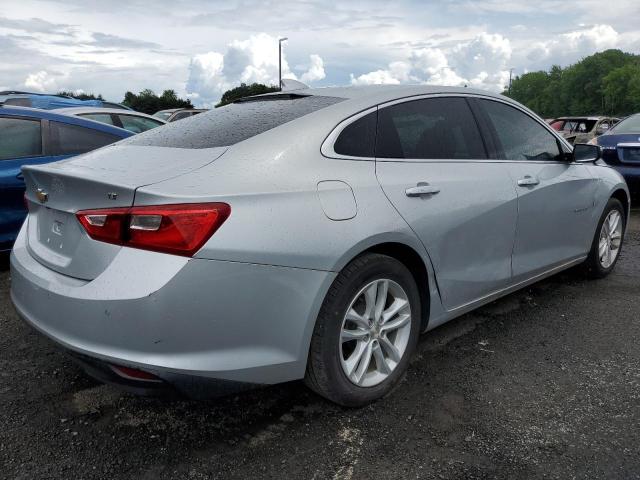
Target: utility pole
(280, 40)
(510, 75)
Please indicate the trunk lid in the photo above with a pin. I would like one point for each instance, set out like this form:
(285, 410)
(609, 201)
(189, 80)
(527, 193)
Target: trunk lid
(105, 178)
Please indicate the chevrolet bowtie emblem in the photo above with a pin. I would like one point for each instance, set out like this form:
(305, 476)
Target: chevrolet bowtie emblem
(43, 196)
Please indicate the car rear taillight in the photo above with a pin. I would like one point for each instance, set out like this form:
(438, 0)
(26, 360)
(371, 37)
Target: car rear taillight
(178, 229)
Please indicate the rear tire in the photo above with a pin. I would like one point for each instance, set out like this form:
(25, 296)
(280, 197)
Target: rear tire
(607, 241)
(366, 331)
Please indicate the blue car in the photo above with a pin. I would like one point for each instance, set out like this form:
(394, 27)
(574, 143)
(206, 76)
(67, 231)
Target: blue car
(30, 137)
(51, 102)
(621, 149)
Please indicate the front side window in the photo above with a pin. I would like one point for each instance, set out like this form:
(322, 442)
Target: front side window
(358, 139)
(69, 139)
(520, 136)
(432, 128)
(20, 138)
(138, 124)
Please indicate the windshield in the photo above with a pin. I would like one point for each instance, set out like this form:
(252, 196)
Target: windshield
(628, 125)
(233, 123)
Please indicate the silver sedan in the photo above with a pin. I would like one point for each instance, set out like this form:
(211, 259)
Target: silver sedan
(310, 234)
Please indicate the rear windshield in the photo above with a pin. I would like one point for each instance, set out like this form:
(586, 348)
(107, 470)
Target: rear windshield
(228, 125)
(628, 125)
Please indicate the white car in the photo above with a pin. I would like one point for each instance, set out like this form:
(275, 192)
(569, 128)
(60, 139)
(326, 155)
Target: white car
(135, 122)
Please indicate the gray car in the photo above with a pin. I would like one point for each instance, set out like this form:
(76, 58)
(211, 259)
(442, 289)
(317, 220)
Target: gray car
(310, 234)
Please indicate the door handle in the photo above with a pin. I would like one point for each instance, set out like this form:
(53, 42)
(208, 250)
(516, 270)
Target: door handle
(422, 188)
(528, 181)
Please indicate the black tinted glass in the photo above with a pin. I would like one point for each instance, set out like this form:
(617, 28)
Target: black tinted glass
(522, 137)
(69, 139)
(228, 125)
(358, 138)
(434, 128)
(19, 138)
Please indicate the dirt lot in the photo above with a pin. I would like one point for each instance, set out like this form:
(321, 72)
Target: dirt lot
(542, 384)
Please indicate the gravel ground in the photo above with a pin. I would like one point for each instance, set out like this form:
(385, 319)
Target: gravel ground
(544, 383)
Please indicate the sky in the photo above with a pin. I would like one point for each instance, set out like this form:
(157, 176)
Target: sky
(201, 48)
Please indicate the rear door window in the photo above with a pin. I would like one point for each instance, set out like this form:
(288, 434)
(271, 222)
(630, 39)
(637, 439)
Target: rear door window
(20, 138)
(233, 123)
(67, 139)
(432, 128)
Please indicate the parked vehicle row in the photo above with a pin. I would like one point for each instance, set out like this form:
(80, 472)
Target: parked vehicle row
(621, 149)
(32, 137)
(304, 235)
(582, 129)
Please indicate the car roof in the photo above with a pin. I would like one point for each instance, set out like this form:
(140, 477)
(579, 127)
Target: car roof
(118, 111)
(27, 112)
(383, 93)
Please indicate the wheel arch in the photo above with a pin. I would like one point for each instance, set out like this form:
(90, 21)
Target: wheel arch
(413, 256)
(621, 195)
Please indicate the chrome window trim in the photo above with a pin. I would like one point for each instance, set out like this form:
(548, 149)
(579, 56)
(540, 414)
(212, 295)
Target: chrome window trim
(327, 145)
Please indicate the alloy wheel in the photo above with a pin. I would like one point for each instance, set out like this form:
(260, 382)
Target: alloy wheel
(610, 239)
(375, 332)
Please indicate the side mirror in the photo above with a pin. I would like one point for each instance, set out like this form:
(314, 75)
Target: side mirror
(586, 153)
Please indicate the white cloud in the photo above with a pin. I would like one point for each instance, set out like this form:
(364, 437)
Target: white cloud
(315, 71)
(41, 81)
(480, 62)
(571, 46)
(245, 61)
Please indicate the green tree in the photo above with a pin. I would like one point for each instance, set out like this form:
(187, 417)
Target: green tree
(245, 90)
(148, 102)
(621, 89)
(604, 83)
(81, 96)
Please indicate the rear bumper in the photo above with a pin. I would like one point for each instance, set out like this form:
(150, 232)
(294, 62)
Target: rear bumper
(631, 175)
(183, 320)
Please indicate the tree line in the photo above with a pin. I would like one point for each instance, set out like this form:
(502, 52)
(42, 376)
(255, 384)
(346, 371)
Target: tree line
(606, 83)
(147, 101)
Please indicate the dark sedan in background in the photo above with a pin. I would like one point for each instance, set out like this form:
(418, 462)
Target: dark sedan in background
(621, 149)
(30, 136)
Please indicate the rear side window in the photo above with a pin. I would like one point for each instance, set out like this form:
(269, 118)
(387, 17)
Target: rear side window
(358, 139)
(433, 128)
(522, 138)
(228, 125)
(20, 138)
(69, 139)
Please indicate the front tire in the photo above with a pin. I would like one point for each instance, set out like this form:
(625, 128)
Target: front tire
(366, 331)
(607, 241)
